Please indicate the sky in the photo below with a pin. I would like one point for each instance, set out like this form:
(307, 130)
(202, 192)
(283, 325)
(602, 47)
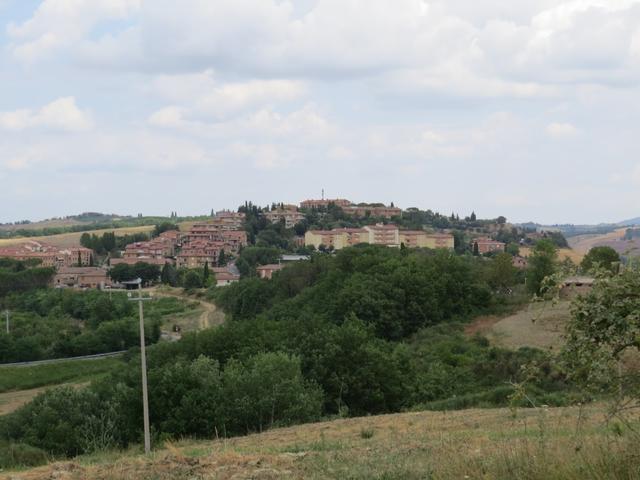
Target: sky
(529, 110)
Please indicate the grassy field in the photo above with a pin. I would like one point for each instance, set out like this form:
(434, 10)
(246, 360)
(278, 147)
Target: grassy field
(73, 239)
(23, 378)
(19, 385)
(575, 256)
(546, 444)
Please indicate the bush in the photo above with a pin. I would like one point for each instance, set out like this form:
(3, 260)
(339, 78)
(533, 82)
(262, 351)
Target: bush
(13, 455)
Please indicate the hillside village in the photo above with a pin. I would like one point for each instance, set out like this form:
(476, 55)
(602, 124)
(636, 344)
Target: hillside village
(218, 241)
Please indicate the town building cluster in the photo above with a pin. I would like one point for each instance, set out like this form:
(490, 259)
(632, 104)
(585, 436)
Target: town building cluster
(49, 255)
(215, 241)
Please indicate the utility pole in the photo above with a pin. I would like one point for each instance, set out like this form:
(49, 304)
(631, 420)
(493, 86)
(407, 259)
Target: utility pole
(143, 360)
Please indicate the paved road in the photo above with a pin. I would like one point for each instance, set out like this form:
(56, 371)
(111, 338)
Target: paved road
(58, 360)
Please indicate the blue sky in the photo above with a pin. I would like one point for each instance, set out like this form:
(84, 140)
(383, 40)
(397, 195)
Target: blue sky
(523, 109)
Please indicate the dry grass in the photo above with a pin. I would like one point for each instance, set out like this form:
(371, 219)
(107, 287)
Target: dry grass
(11, 401)
(575, 256)
(540, 325)
(584, 243)
(470, 444)
(73, 239)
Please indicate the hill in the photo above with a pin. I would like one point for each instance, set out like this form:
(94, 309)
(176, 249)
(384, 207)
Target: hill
(630, 223)
(583, 243)
(538, 443)
(72, 239)
(87, 218)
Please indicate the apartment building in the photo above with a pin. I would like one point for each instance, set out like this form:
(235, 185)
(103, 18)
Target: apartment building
(290, 217)
(234, 239)
(422, 239)
(200, 252)
(229, 220)
(379, 234)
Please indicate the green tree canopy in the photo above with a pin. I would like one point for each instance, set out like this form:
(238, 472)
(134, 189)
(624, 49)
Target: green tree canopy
(541, 264)
(605, 257)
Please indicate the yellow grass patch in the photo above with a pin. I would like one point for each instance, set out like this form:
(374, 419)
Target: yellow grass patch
(73, 239)
(574, 255)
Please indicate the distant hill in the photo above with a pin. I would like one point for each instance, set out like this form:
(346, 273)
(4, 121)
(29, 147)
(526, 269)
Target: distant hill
(86, 218)
(629, 223)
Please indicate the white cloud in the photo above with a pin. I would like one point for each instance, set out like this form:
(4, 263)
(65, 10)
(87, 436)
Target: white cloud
(58, 24)
(61, 114)
(206, 96)
(522, 51)
(562, 130)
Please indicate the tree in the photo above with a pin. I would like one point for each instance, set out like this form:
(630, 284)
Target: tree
(473, 217)
(222, 258)
(122, 273)
(205, 273)
(512, 249)
(604, 257)
(169, 276)
(192, 280)
(502, 273)
(164, 227)
(541, 264)
(501, 220)
(85, 240)
(604, 327)
(476, 250)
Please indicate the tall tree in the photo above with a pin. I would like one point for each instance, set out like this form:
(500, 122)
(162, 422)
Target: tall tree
(541, 264)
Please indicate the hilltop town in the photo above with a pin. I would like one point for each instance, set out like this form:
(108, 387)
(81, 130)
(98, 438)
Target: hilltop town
(323, 225)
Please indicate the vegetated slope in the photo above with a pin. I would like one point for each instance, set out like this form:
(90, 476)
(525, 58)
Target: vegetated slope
(474, 444)
(539, 325)
(52, 223)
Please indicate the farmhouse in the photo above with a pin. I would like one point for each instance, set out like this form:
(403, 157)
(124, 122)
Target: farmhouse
(81, 277)
(574, 286)
(487, 245)
(267, 271)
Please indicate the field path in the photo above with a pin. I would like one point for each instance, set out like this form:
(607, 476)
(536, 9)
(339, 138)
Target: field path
(11, 401)
(210, 316)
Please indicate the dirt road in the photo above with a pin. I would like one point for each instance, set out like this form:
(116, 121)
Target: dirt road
(210, 316)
